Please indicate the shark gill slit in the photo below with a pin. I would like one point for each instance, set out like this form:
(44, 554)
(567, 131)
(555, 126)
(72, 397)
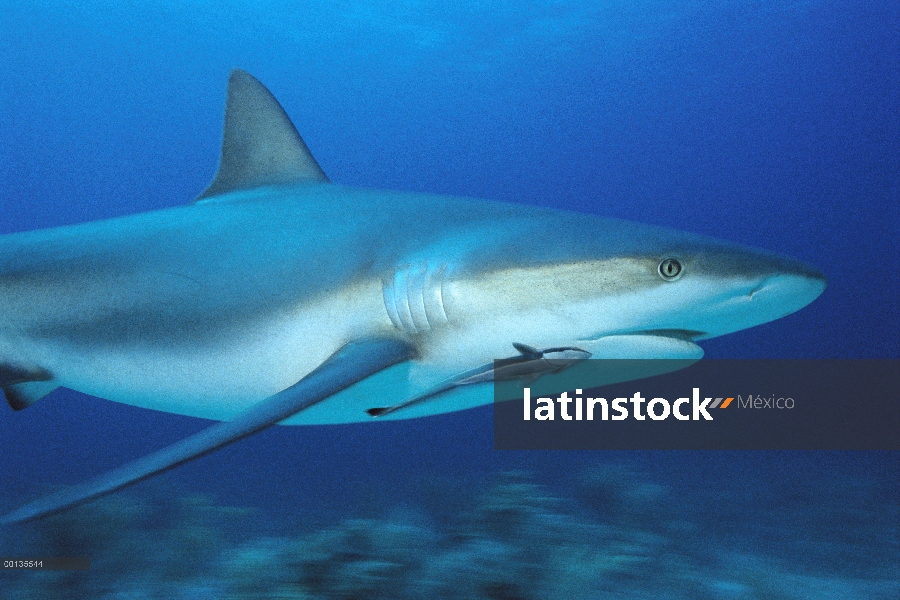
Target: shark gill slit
(434, 295)
(415, 281)
(413, 298)
(401, 295)
(390, 304)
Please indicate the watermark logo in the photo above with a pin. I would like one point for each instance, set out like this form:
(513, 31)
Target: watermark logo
(761, 402)
(657, 405)
(657, 409)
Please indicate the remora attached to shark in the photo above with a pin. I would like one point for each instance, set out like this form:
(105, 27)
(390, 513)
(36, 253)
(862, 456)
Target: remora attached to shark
(280, 297)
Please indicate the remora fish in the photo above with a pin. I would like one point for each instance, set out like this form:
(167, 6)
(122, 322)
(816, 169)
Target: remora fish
(280, 297)
(530, 365)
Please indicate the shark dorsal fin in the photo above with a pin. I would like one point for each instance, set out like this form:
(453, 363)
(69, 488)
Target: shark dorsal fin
(260, 145)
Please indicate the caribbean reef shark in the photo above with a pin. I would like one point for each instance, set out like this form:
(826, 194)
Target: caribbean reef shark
(278, 296)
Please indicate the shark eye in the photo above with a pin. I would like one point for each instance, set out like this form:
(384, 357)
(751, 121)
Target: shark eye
(670, 269)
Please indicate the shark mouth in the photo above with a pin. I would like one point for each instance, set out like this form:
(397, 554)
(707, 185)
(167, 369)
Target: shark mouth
(688, 335)
(646, 344)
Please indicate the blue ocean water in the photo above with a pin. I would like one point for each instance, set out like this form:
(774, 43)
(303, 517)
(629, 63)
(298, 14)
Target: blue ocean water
(774, 124)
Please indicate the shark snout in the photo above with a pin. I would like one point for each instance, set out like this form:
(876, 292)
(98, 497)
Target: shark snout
(790, 287)
(753, 288)
(788, 292)
(787, 280)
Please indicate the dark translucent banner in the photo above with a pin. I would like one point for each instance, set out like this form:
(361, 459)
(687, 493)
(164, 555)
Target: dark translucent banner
(705, 405)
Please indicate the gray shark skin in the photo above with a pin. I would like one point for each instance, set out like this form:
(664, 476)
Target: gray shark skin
(278, 284)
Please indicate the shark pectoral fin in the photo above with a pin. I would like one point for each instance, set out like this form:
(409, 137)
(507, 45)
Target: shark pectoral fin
(260, 145)
(349, 365)
(22, 395)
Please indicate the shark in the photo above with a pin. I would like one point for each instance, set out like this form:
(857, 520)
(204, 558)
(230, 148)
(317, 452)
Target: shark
(279, 297)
